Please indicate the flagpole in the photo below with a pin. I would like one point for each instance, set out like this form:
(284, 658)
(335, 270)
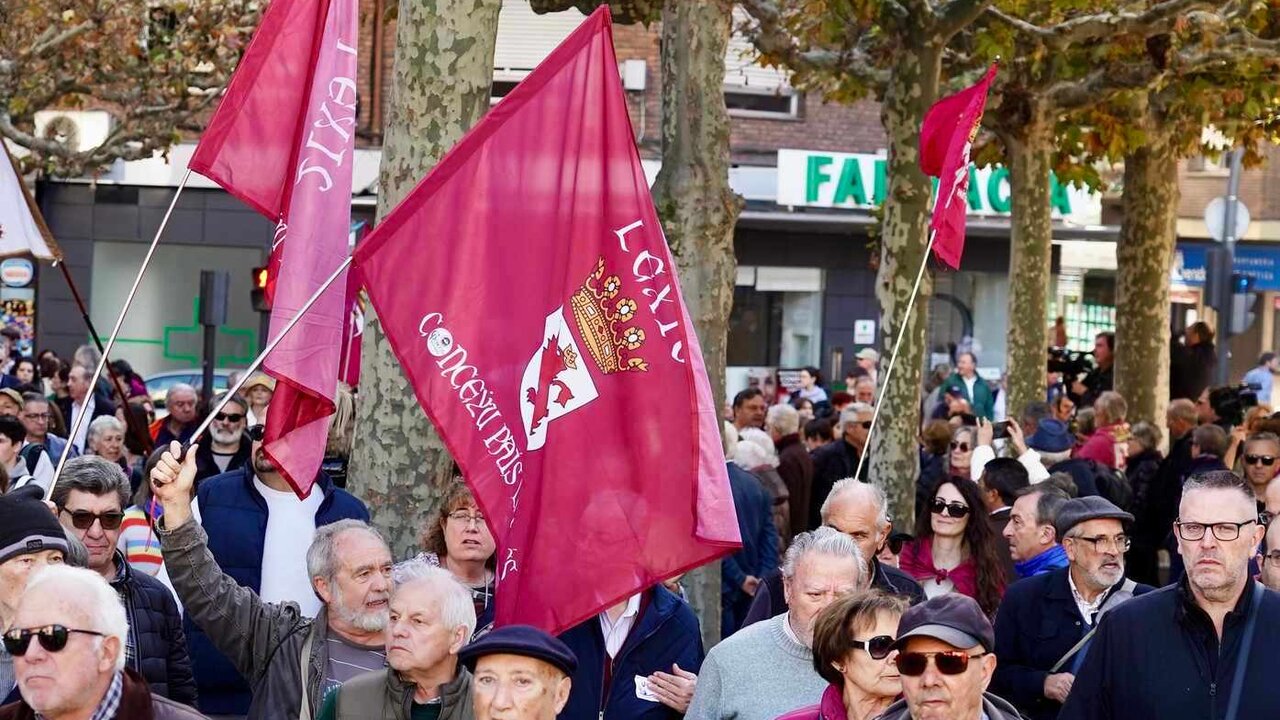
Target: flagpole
(893, 359)
(115, 332)
(253, 367)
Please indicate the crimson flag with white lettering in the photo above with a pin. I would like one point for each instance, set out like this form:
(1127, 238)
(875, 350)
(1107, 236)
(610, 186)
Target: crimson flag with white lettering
(527, 289)
(282, 140)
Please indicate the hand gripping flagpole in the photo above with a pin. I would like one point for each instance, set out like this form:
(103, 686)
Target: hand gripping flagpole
(893, 359)
(115, 332)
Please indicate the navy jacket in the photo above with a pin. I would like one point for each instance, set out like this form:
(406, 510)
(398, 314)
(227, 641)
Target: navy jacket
(666, 633)
(1157, 656)
(155, 629)
(1038, 622)
(234, 515)
(759, 553)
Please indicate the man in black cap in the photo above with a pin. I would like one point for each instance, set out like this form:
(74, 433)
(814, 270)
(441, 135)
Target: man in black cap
(519, 673)
(30, 538)
(1045, 622)
(946, 658)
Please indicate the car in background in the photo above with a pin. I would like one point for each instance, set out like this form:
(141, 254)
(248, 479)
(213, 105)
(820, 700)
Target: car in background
(159, 383)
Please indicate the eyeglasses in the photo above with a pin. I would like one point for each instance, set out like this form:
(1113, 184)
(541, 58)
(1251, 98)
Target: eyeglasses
(1273, 557)
(256, 432)
(877, 647)
(1102, 543)
(229, 417)
(961, 446)
(952, 662)
(1224, 531)
(1265, 460)
(52, 638)
(83, 519)
(955, 509)
(36, 416)
(462, 517)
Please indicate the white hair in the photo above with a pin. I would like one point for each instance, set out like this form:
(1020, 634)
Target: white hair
(851, 413)
(456, 606)
(823, 541)
(783, 419)
(854, 487)
(768, 453)
(102, 423)
(729, 434)
(89, 592)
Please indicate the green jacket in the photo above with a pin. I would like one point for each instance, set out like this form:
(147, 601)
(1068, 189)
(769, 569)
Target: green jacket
(983, 403)
(384, 695)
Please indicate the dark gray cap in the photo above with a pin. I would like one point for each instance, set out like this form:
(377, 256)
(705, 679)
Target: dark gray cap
(1093, 507)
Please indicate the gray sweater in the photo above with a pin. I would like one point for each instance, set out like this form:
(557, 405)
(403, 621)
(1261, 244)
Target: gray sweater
(758, 673)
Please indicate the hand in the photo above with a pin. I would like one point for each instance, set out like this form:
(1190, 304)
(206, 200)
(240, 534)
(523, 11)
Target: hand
(171, 484)
(750, 585)
(1057, 687)
(673, 583)
(1016, 437)
(985, 432)
(675, 690)
(1238, 435)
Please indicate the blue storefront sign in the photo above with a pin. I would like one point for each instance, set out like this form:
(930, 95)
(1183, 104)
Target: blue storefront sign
(1260, 263)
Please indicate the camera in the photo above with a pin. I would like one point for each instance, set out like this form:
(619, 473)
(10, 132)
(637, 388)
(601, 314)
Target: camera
(1230, 402)
(1072, 364)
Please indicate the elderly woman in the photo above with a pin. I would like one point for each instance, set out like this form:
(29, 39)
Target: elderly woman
(851, 640)
(963, 440)
(106, 439)
(756, 453)
(459, 541)
(955, 549)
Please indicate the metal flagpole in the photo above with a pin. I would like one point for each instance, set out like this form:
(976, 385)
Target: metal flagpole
(893, 359)
(115, 332)
(253, 367)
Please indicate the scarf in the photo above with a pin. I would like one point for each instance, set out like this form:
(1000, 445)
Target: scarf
(1047, 561)
(917, 561)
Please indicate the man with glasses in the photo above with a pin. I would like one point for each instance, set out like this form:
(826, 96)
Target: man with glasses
(258, 532)
(1044, 620)
(1203, 647)
(946, 657)
(68, 641)
(1269, 557)
(90, 498)
(839, 459)
(225, 447)
(35, 418)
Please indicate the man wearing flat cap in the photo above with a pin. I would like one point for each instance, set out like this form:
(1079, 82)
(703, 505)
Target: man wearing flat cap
(1045, 623)
(946, 655)
(519, 673)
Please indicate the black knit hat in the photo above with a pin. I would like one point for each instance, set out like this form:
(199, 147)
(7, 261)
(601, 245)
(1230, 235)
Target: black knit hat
(27, 526)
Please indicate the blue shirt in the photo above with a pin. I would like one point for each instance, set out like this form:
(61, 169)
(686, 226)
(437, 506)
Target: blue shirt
(1260, 376)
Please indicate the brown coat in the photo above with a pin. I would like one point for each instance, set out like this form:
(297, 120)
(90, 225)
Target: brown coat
(796, 468)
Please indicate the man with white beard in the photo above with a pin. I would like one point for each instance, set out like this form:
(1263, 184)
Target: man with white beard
(1044, 619)
(226, 447)
(289, 660)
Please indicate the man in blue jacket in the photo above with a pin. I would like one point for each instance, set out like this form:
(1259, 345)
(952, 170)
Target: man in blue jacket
(259, 531)
(741, 572)
(1195, 649)
(637, 660)
(1043, 620)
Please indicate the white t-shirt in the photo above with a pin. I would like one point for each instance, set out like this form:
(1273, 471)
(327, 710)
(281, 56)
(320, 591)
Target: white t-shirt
(291, 524)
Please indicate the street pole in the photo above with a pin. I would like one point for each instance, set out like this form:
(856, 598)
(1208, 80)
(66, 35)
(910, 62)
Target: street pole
(1222, 371)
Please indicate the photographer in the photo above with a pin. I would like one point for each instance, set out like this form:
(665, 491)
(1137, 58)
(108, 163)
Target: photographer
(1101, 378)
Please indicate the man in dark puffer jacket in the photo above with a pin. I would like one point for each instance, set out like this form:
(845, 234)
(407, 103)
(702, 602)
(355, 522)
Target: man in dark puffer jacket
(90, 498)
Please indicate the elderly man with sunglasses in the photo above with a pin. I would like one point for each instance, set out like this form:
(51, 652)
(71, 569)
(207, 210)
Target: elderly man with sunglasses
(1203, 647)
(226, 447)
(258, 532)
(90, 499)
(69, 645)
(946, 658)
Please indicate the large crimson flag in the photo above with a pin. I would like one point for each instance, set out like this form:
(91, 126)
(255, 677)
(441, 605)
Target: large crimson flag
(945, 139)
(282, 140)
(528, 292)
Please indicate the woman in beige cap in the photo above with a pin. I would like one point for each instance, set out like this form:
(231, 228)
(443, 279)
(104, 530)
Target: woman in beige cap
(258, 390)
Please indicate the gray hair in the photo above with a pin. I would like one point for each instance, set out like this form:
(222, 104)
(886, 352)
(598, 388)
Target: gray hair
(851, 413)
(822, 541)
(176, 388)
(94, 475)
(455, 603)
(322, 561)
(1147, 435)
(103, 423)
(759, 438)
(853, 486)
(89, 592)
(783, 419)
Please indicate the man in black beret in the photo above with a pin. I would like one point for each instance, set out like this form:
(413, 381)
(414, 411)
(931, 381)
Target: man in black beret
(519, 673)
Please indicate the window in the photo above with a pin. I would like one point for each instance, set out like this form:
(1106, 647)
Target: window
(750, 89)
(525, 39)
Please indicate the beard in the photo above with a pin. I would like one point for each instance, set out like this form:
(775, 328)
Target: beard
(262, 463)
(225, 437)
(375, 621)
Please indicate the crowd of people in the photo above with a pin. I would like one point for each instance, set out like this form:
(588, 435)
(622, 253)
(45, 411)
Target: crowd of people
(1059, 564)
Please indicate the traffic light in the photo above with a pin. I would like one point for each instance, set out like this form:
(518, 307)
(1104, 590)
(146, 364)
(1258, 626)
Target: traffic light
(261, 301)
(1243, 301)
(1217, 293)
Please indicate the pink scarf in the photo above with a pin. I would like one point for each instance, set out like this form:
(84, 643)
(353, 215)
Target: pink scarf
(917, 561)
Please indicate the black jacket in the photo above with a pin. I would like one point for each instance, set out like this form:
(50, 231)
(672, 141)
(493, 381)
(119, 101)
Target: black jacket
(207, 467)
(1158, 656)
(1037, 624)
(159, 646)
(1191, 369)
(771, 602)
(832, 462)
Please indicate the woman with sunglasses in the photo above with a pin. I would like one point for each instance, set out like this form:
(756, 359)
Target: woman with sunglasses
(852, 641)
(954, 550)
(963, 440)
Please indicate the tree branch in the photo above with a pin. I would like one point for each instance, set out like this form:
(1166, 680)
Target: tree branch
(957, 14)
(771, 38)
(45, 44)
(1155, 19)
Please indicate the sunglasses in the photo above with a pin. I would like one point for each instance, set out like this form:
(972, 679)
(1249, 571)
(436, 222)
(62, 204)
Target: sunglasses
(961, 446)
(866, 424)
(954, 509)
(1267, 460)
(229, 417)
(877, 647)
(256, 432)
(952, 662)
(52, 638)
(83, 519)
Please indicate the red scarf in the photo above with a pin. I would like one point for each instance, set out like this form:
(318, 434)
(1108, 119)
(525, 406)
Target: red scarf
(917, 561)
